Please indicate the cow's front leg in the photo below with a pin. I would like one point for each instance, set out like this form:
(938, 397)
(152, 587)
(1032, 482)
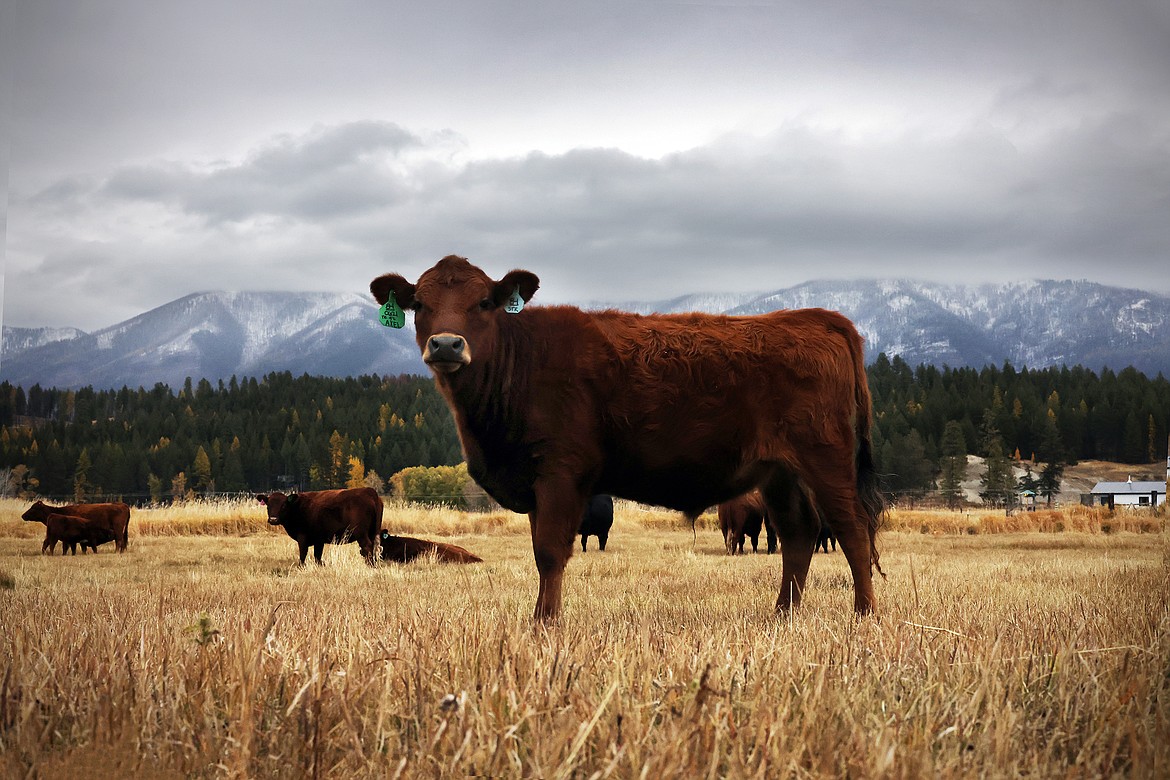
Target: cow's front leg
(318, 551)
(369, 548)
(303, 547)
(559, 507)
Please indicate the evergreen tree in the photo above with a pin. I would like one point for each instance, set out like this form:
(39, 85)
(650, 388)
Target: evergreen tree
(1050, 477)
(233, 470)
(997, 481)
(81, 485)
(953, 466)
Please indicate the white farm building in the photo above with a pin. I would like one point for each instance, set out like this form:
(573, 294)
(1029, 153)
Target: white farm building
(1129, 493)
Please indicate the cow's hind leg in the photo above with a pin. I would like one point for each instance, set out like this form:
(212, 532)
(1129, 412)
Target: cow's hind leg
(796, 527)
(318, 551)
(554, 525)
(835, 488)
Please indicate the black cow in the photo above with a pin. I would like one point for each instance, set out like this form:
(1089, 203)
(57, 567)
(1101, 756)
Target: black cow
(597, 520)
(825, 538)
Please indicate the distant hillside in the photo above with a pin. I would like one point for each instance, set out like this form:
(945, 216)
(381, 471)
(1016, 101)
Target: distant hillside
(1035, 324)
(215, 335)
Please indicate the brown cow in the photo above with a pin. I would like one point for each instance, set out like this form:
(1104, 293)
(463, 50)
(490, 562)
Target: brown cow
(404, 549)
(321, 517)
(824, 539)
(72, 530)
(744, 516)
(115, 517)
(684, 411)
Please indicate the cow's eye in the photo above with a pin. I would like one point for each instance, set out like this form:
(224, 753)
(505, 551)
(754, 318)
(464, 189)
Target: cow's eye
(485, 304)
(416, 307)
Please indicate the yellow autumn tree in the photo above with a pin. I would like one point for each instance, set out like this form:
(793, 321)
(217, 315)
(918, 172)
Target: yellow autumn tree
(357, 473)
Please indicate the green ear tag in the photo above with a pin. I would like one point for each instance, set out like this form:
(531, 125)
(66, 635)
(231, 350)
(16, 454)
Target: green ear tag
(515, 303)
(391, 314)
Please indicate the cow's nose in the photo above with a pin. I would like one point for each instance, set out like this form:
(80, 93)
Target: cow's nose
(447, 349)
(443, 343)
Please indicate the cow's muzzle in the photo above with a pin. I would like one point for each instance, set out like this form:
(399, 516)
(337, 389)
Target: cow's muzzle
(447, 353)
(274, 521)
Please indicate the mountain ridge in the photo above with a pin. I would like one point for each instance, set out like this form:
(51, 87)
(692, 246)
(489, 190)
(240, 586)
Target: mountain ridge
(215, 335)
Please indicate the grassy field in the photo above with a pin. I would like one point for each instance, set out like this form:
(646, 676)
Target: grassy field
(1034, 645)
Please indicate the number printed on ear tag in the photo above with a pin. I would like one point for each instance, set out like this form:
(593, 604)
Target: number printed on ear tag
(391, 314)
(515, 303)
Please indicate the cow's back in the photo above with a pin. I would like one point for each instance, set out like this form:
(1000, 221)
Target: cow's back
(353, 513)
(112, 516)
(692, 398)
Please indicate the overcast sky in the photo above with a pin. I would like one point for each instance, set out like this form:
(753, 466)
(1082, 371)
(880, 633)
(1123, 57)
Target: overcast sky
(620, 150)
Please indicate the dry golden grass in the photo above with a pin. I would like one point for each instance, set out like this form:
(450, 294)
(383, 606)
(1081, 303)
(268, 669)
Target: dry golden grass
(200, 654)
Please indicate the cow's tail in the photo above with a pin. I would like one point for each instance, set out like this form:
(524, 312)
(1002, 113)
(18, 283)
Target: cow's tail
(868, 486)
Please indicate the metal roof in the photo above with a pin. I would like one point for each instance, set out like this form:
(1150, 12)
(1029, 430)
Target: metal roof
(1129, 488)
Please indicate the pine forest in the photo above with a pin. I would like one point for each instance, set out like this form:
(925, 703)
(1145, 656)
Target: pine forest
(310, 432)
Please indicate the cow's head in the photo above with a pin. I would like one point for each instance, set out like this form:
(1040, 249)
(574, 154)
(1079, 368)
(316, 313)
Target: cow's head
(37, 513)
(276, 503)
(457, 309)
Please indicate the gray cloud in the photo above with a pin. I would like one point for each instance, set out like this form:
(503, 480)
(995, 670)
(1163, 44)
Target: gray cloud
(621, 151)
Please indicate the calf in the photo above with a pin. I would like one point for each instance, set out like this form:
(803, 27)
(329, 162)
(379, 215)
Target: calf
(113, 516)
(316, 518)
(72, 530)
(597, 521)
(403, 549)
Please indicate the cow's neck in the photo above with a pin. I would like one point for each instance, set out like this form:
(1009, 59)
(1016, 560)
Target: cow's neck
(490, 400)
(489, 396)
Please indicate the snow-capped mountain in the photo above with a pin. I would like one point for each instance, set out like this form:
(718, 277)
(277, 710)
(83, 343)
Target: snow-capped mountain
(1034, 324)
(15, 340)
(215, 335)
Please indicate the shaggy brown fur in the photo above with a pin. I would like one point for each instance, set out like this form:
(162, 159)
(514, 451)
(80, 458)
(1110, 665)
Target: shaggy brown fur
(316, 518)
(113, 516)
(683, 411)
(71, 531)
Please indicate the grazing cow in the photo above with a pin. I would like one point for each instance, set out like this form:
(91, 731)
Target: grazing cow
(316, 518)
(72, 530)
(404, 549)
(597, 521)
(744, 516)
(824, 538)
(115, 517)
(685, 411)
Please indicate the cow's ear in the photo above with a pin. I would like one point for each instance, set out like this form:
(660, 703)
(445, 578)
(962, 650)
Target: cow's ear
(525, 282)
(393, 283)
(293, 498)
(262, 499)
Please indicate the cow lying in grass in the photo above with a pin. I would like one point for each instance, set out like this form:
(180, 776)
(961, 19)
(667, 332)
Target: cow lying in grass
(403, 549)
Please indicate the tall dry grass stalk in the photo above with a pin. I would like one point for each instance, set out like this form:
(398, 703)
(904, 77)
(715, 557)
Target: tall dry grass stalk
(1042, 654)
